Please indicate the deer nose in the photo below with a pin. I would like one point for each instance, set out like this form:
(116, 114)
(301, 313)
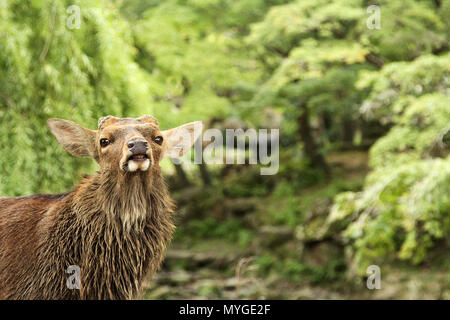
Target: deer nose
(138, 146)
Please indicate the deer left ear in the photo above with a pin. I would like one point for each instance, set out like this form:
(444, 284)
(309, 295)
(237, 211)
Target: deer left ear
(179, 140)
(75, 139)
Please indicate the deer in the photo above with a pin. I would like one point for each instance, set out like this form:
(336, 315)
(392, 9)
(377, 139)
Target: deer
(115, 226)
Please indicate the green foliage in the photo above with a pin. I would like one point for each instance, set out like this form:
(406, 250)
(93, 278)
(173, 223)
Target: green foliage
(397, 84)
(408, 30)
(419, 133)
(194, 66)
(404, 208)
(284, 27)
(209, 228)
(290, 203)
(401, 213)
(246, 183)
(284, 208)
(315, 53)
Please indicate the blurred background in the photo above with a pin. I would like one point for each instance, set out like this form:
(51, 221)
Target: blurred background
(360, 95)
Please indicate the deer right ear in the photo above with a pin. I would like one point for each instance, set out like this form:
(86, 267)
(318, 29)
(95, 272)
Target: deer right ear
(179, 140)
(75, 139)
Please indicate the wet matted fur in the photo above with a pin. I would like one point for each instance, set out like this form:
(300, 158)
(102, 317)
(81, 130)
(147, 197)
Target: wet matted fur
(115, 225)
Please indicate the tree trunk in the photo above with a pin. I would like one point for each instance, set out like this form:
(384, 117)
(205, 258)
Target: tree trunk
(348, 130)
(326, 120)
(206, 177)
(327, 126)
(182, 177)
(310, 147)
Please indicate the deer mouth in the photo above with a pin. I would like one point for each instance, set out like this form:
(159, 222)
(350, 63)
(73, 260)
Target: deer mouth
(137, 162)
(138, 157)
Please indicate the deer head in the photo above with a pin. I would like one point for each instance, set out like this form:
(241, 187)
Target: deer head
(125, 145)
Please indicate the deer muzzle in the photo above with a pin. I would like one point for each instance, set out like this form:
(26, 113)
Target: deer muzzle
(137, 156)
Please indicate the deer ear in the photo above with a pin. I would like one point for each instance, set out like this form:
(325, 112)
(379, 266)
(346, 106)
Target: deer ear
(179, 140)
(75, 139)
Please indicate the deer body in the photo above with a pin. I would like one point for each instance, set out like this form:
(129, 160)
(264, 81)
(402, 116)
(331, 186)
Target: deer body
(115, 226)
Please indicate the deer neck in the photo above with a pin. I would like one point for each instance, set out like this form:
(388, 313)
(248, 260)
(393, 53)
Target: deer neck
(128, 223)
(131, 199)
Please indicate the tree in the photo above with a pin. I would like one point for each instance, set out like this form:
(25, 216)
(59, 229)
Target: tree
(315, 51)
(403, 209)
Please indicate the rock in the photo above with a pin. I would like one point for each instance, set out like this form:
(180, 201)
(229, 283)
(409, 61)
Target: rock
(253, 290)
(272, 236)
(231, 283)
(307, 293)
(177, 255)
(321, 254)
(180, 276)
(160, 292)
(312, 231)
(235, 283)
(316, 226)
(194, 260)
(320, 208)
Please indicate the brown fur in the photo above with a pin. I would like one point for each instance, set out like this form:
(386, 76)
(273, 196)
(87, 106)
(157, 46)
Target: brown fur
(115, 225)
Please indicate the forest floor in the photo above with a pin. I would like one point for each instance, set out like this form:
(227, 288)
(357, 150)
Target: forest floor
(210, 283)
(268, 261)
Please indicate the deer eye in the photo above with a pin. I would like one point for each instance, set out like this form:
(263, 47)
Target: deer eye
(104, 142)
(158, 140)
